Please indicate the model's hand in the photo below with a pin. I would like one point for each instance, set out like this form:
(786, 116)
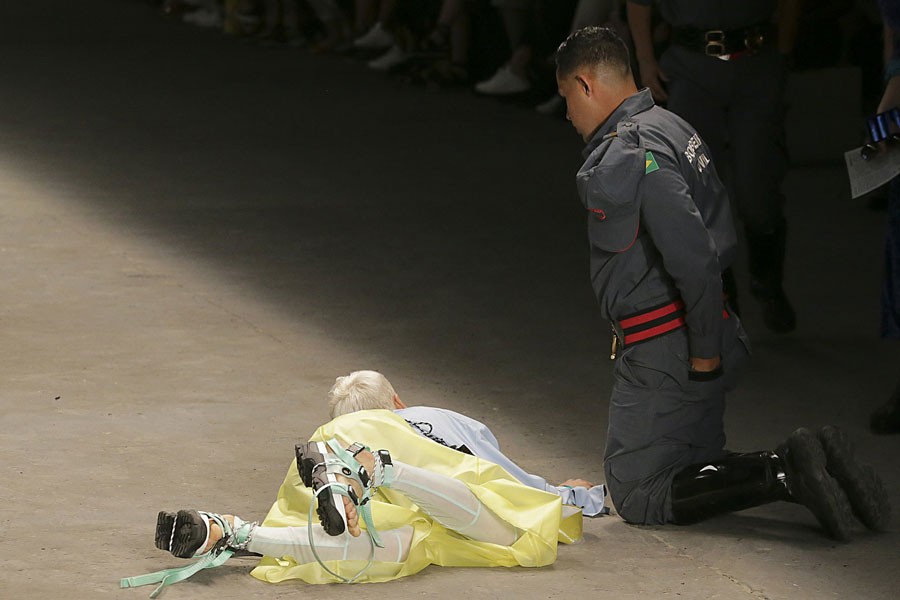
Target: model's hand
(577, 483)
(705, 365)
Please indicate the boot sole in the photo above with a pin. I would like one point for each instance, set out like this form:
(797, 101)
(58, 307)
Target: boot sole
(811, 485)
(865, 489)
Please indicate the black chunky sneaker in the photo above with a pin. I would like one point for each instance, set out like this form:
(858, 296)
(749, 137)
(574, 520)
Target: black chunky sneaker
(810, 484)
(865, 490)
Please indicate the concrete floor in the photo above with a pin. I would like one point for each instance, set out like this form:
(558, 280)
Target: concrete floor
(198, 235)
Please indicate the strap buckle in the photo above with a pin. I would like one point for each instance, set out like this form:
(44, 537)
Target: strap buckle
(715, 42)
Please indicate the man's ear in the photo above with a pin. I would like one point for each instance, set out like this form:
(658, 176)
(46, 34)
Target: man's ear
(585, 85)
(398, 403)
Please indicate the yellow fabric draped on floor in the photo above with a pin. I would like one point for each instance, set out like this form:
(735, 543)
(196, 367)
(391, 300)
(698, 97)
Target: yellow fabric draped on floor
(536, 513)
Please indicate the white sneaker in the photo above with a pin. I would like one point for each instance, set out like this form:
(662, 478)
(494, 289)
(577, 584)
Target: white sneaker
(204, 18)
(390, 59)
(374, 39)
(503, 83)
(551, 106)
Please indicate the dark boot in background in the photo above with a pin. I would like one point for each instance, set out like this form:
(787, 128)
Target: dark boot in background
(766, 253)
(886, 418)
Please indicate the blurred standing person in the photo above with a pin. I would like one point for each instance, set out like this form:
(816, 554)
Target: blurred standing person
(533, 28)
(725, 73)
(887, 418)
(589, 12)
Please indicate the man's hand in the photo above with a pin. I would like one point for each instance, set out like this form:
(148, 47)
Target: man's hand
(654, 78)
(640, 23)
(705, 365)
(577, 483)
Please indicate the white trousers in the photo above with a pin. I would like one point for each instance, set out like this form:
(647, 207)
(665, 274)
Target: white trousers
(448, 501)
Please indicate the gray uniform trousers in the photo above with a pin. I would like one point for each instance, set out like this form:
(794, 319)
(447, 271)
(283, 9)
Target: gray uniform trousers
(661, 421)
(739, 105)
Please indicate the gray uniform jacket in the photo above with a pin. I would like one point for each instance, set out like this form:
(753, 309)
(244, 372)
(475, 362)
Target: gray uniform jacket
(677, 208)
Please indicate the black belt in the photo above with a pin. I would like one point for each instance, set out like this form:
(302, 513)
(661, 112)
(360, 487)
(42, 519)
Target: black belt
(721, 42)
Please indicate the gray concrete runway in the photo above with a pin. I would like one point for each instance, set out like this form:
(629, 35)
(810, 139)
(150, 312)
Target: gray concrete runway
(198, 235)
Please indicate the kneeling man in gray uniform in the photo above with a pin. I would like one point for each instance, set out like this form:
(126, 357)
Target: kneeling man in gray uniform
(661, 234)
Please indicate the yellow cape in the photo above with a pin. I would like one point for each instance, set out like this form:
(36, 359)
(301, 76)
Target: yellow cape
(536, 513)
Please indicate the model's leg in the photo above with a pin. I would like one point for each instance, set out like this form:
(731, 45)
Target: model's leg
(294, 542)
(448, 501)
(452, 504)
(191, 533)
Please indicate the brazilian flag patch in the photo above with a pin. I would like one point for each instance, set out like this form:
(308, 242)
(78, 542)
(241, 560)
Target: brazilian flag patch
(650, 163)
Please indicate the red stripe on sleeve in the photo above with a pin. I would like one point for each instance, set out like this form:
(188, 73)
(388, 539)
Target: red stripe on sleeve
(652, 315)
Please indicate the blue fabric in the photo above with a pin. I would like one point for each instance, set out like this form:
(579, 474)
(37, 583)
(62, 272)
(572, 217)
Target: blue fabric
(463, 433)
(890, 289)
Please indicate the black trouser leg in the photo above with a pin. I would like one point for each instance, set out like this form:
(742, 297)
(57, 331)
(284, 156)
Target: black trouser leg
(733, 483)
(766, 253)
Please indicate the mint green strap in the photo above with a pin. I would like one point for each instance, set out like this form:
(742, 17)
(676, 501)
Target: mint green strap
(171, 576)
(363, 508)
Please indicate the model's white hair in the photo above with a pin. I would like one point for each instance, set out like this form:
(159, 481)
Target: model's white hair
(360, 390)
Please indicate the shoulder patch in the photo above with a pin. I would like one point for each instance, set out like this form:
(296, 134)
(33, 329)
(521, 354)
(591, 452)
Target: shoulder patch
(650, 163)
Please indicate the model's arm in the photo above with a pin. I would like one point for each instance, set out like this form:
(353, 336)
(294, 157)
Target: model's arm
(457, 429)
(575, 492)
(640, 23)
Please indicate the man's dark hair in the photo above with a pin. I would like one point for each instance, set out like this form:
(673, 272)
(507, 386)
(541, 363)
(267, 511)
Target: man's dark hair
(596, 47)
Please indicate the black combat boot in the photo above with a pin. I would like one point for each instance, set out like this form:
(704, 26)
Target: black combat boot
(766, 254)
(795, 472)
(733, 483)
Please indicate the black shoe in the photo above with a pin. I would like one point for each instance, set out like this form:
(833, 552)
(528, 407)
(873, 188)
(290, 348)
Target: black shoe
(810, 484)
(180, 533)
(886, 418)
(314, 473)
(778, 314)
(766, 252)
(863, 486)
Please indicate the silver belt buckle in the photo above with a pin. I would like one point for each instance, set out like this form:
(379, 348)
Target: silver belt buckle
(715, 42)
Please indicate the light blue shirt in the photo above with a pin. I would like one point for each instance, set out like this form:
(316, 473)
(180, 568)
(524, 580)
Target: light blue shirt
(465, 434)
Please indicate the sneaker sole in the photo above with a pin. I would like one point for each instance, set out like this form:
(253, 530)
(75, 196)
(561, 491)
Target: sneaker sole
(180, 533)
(330, 506)
(865, 489)
(811, 485)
